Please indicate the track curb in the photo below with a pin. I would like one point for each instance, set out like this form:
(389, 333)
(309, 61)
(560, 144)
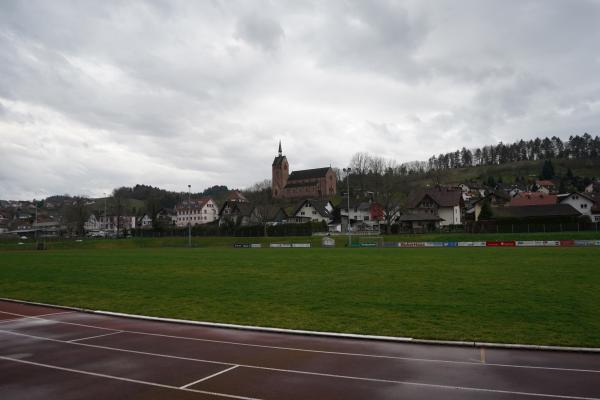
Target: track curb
(514, 346)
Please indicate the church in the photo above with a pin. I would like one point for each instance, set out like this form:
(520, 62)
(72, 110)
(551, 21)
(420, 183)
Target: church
(309, 183)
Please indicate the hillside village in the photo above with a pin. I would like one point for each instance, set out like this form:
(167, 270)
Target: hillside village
(366, 198)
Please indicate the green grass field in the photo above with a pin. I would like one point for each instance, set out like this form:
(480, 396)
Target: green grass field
(514, 295)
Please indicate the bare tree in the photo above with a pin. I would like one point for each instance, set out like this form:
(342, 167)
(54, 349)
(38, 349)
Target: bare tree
(360, 166)
(261, 197)
(392, 201)
(377, 169)
(152, 209)
(76, 214)
(118, 208)
(260, 186)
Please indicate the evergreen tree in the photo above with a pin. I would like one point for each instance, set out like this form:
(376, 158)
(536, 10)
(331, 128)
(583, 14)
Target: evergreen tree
(562, 187)
(569, 174)
(547, 170)
(486, 211)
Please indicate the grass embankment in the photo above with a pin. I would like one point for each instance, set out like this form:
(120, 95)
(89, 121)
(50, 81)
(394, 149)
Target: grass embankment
(227, 241)
(526, 295)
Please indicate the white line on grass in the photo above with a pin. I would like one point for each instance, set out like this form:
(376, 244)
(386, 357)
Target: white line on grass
(231, 396)
(433, 385)
(209, 377)
(332, 352)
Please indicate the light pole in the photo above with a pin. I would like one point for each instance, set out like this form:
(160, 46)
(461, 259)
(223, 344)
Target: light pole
(36, 219)
(189, 215)
(347, 171)
(105, 216)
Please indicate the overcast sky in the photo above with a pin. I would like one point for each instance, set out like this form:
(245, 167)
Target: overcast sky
(100, 94)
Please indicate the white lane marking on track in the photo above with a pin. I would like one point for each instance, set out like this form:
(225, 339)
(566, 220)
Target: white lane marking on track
(231, 396)
(320, 373)
(468, 362)
(97, 336)
(209, 377)
(11, 320)
(36, 316)
(477, 362)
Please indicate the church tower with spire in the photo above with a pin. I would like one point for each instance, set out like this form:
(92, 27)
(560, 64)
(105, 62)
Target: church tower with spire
(280, 173)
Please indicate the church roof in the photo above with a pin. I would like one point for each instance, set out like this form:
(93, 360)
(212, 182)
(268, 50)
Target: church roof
(278, 161)
(290, 185)
(308, 173)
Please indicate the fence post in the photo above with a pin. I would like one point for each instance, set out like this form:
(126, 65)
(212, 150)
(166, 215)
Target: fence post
(512, 228)
(544, 227)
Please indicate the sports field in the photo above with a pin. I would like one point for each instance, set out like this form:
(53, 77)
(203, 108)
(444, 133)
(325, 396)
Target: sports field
(515, 295)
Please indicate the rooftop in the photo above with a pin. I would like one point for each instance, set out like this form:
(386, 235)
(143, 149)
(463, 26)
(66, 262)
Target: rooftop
(314, 173)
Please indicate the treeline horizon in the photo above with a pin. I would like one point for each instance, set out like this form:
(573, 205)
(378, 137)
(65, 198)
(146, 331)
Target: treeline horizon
(576, 147)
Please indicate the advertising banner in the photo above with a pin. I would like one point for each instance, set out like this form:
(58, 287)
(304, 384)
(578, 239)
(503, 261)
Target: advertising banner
(585, 243)
(471, 244)
(508, 243)
(247, 245)
(411, 244)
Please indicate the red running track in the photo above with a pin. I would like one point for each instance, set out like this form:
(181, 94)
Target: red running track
(50, 353)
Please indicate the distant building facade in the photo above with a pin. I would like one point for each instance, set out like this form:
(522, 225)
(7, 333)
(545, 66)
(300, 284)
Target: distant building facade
(308, 183)
(196, 212)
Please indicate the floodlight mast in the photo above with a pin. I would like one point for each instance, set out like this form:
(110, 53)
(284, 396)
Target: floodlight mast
(347, 171)
(105, 216)
(189, 215)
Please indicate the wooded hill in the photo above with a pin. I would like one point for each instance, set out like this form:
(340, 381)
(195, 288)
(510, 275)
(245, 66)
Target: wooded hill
(577, 160)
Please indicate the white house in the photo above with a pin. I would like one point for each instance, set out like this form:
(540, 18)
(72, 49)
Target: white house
(364, 216)
(92, 224)
(197, 212)
(144, 222)
(582, 202)
(593, 187)
(312, 210)
(446, 203)
(112, 222)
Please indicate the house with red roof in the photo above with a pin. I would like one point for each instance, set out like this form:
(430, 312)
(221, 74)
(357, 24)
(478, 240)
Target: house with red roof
(546, 186)
(532, 199)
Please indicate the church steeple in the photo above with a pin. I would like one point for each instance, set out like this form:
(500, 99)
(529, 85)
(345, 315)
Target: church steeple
(280, 148)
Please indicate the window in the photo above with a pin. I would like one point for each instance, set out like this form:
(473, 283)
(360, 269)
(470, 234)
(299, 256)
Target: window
(301, 212)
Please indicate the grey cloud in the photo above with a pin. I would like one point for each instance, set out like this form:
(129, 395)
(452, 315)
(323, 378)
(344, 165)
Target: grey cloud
(260, 32)
(380, 37)
(167, 93)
